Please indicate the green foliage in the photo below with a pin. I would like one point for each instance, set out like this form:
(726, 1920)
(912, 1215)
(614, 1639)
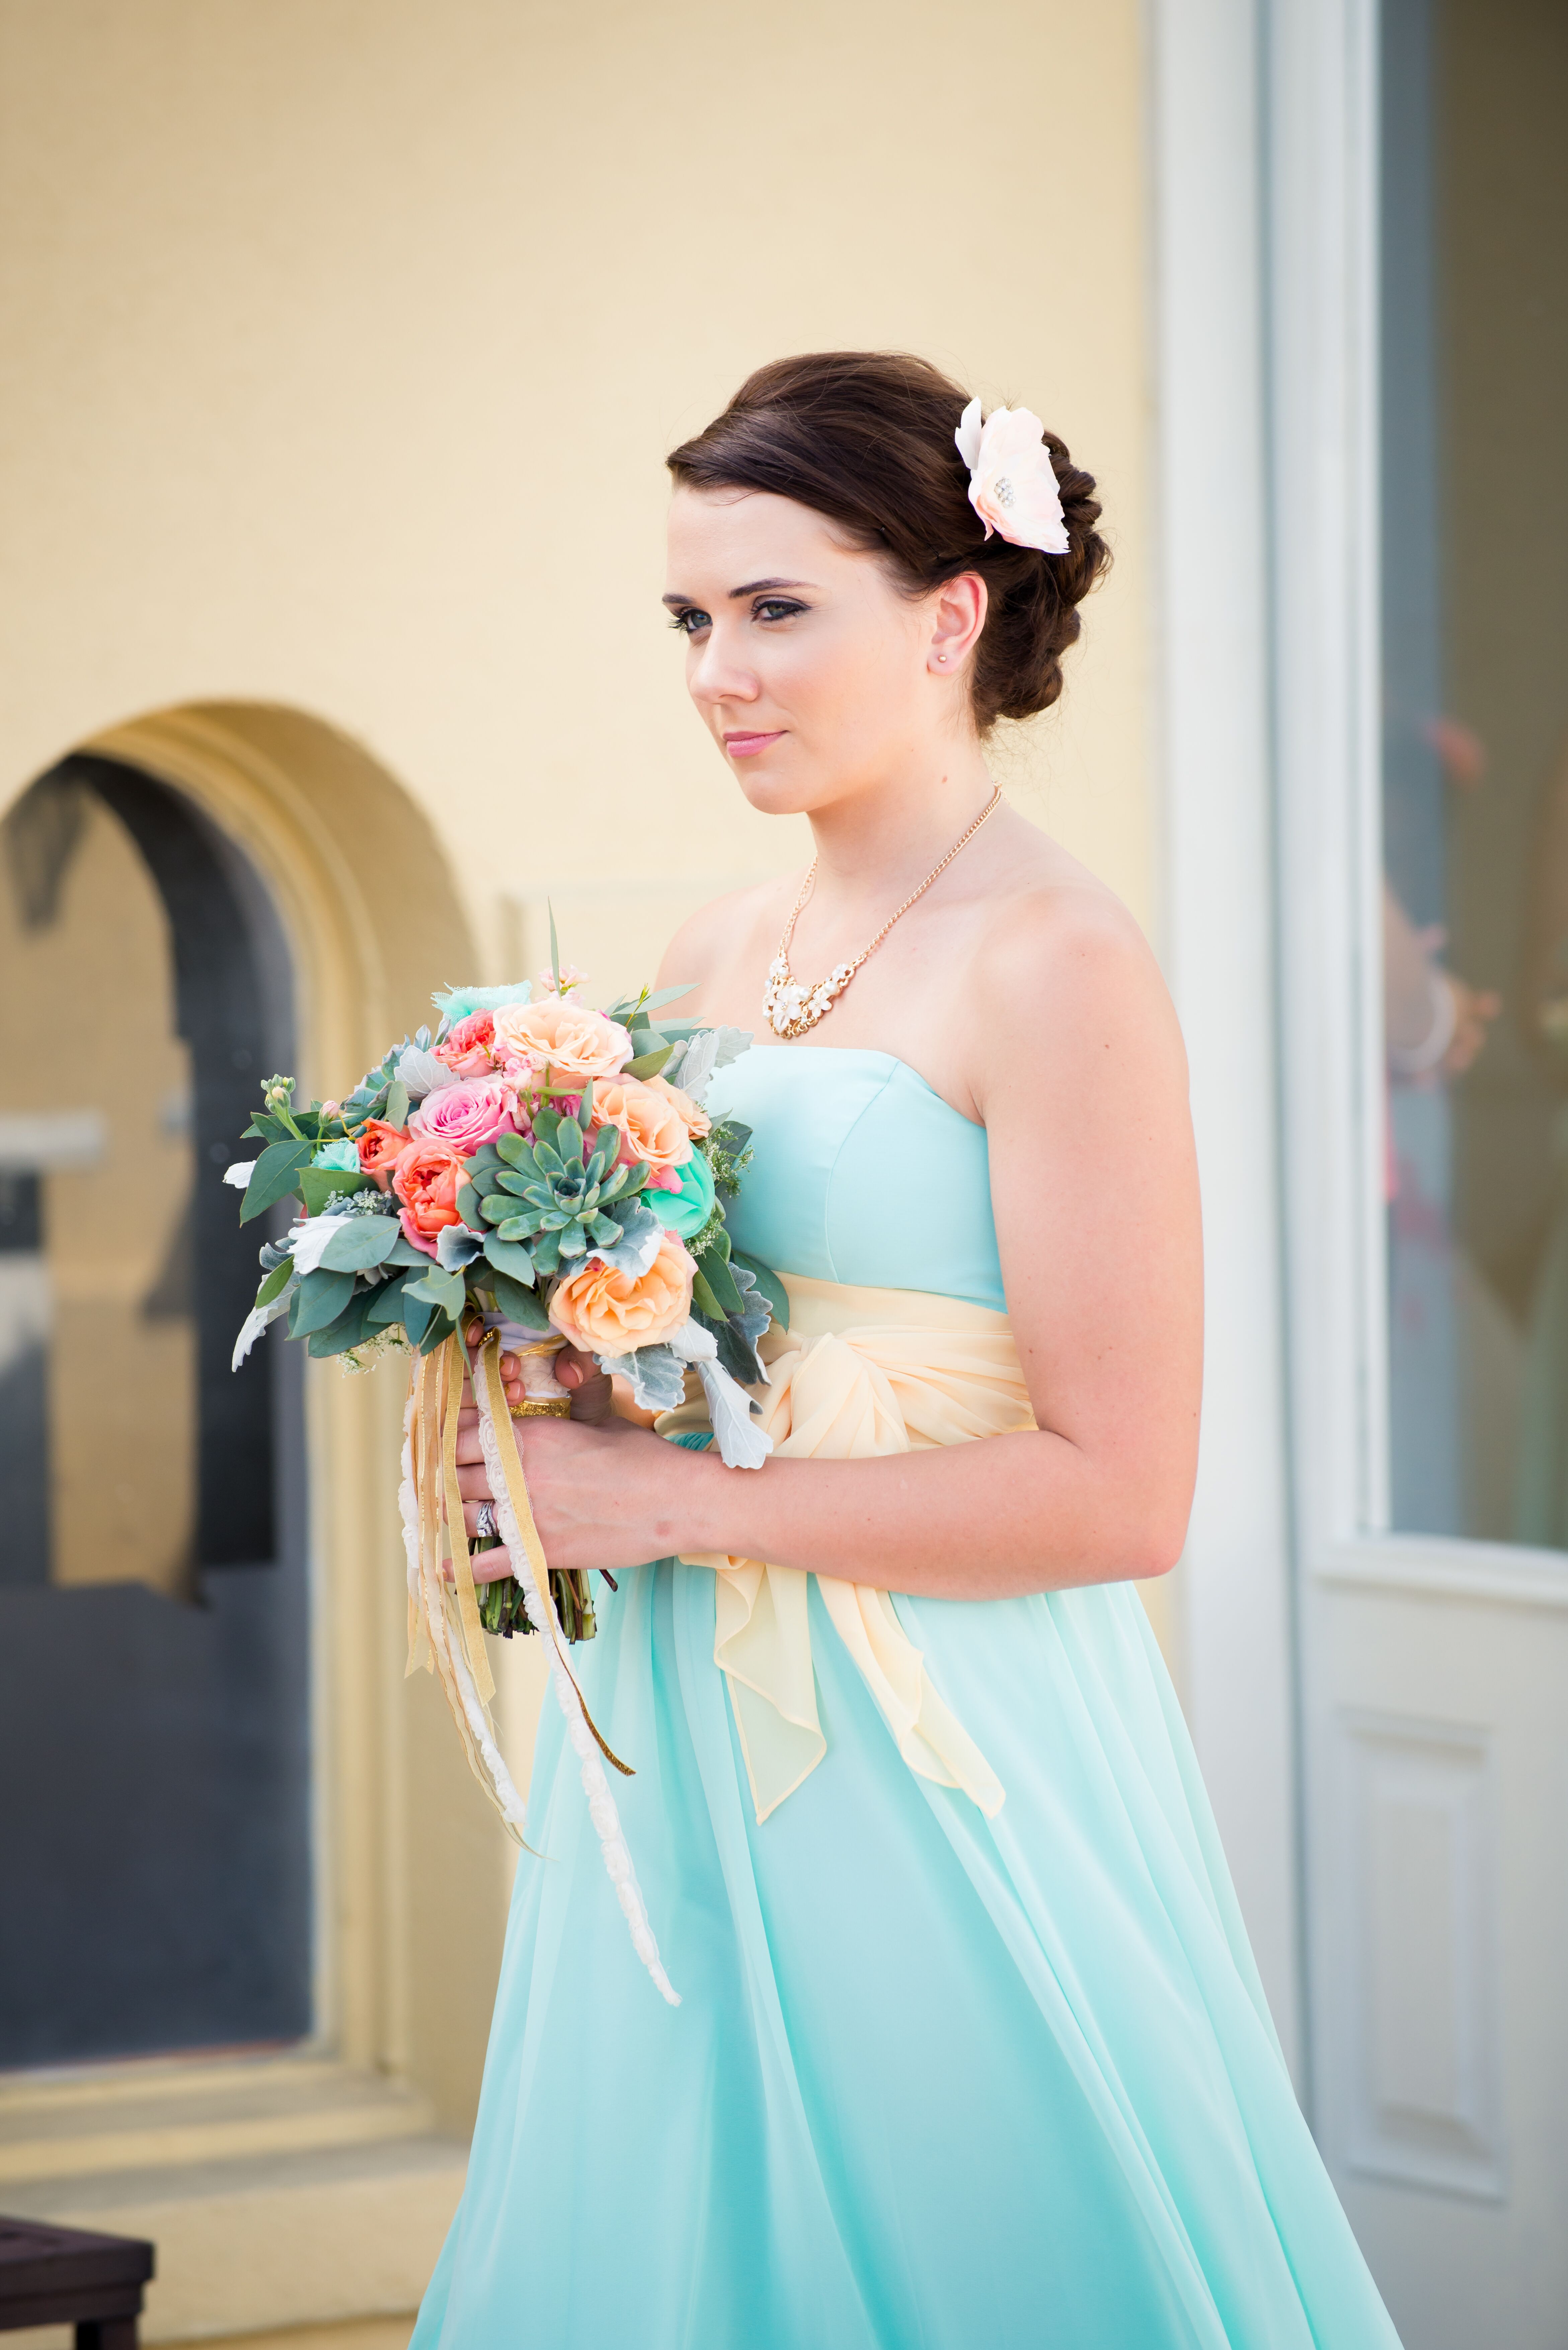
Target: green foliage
(276, 1282)
(508, 1257)
(350, 1329)
(648, 1063)
(769, 1285)
(318, 1301)
(359, 1243)
(386, 1302)
(275, 1175)
(397, 1110)
(319, 1184)
(518, 1304)
(444, 1290)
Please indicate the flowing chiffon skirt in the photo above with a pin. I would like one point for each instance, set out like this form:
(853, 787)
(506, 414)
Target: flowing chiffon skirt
(935, 2080)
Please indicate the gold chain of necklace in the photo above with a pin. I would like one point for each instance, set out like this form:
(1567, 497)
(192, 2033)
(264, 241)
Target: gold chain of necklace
(788, 1008)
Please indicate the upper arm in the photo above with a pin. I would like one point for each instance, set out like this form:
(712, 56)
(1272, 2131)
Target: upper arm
(1094, 1188)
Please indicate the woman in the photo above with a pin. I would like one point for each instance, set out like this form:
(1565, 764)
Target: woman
(971, 2048)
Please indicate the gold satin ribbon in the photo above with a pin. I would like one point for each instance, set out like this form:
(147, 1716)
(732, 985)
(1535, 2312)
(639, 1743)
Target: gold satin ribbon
(861, 1373)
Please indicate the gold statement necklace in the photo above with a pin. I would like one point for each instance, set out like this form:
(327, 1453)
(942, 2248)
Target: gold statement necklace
(789, 1009)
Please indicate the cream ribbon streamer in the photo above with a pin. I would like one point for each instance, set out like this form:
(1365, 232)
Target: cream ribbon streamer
(444, 1631)
(861, 1372)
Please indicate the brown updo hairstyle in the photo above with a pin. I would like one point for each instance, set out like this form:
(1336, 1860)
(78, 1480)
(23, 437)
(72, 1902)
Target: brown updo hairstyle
(866, 439)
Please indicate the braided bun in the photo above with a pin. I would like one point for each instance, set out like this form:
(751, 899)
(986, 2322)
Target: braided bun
(866, 438)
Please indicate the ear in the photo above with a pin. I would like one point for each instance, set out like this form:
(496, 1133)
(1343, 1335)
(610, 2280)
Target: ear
(957, 615)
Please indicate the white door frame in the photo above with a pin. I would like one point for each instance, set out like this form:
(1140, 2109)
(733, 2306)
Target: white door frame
(1219, 936)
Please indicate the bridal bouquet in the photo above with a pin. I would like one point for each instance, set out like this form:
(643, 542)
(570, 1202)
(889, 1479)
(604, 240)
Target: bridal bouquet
(534, 1173)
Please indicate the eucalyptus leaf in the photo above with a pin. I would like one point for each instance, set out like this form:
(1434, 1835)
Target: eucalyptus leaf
(397, 1110)
(387, 1303)
(349, 1330)
(356, 1243)
(275, 1175)
(703, 1299)
(416, 1316)
(435, 1287)
(508, 1256)
(276, 1282)
(720, 1283)
(650, 1063)
(319, 1184)
(318, 1301)
(519, 1304)
(403, 1251)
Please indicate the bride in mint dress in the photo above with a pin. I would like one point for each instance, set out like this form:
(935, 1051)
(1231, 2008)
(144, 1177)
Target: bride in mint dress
(971, 2047)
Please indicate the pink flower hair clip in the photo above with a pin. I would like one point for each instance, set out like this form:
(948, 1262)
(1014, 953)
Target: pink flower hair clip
(1012, 485)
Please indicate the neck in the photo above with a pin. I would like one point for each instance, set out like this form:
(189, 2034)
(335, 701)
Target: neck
(874, 838)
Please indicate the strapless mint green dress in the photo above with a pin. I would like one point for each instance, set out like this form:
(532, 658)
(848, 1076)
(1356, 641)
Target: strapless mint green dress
(937, 2082)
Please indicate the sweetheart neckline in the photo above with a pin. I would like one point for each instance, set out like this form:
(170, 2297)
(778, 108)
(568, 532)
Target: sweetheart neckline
(877, 1052)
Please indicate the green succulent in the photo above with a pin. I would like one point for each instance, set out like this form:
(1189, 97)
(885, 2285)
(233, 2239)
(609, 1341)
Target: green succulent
(559, 1194)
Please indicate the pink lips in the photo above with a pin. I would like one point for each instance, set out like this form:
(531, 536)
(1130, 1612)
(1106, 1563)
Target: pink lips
(746, 747)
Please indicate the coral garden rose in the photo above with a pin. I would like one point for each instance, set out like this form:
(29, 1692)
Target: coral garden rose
(577, 1042)
(609, 1313)
(379, 1145)
(466, 1047)
(473, 1111)
(692, 1115)
(651, 1126)
(425, 1180)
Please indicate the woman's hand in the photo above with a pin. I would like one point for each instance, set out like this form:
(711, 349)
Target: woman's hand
(596, 1482)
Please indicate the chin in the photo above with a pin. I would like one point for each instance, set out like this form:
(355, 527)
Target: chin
(777, 783)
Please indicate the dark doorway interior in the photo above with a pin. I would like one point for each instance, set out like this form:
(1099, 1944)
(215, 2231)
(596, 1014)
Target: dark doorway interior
(154, 1836)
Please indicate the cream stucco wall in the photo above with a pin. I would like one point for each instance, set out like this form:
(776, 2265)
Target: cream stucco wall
(340, 342)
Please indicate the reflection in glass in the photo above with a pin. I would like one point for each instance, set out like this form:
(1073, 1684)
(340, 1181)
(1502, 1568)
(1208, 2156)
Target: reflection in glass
(1475, 644)
(153, 1842)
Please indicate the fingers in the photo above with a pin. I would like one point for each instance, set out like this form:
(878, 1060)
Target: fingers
(489, 1565)
(594, 1400)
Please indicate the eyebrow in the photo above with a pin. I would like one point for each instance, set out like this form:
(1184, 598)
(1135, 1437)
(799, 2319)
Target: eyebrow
(751, 588)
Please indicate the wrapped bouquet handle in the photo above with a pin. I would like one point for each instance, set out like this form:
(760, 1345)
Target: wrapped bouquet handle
(444, 1631)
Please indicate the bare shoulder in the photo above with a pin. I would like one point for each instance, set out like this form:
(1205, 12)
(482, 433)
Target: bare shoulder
(1062, 949)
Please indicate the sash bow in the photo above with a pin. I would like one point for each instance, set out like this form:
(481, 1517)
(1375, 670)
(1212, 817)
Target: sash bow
(861, 1373)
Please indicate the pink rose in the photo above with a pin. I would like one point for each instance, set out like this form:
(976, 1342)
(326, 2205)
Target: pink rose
(463, 1116)
(465, 1048)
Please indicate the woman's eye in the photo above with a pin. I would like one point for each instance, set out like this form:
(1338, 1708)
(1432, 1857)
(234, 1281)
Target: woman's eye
(775, 607)
(689, 621)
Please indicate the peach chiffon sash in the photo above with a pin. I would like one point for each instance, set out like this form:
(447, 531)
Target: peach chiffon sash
(861, 1372)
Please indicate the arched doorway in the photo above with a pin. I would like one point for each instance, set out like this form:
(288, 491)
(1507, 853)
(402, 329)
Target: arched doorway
(154, 1675)
(187, 903)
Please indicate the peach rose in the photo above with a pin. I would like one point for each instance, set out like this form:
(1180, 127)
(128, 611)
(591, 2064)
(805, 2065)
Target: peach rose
(378, 1145)
(425, 1178)
(695, 1119)
(651, 1126)
(577, 1042)
(609, 1313)
(466, 1047)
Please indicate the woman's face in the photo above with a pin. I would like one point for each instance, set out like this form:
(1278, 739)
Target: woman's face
(814, 673)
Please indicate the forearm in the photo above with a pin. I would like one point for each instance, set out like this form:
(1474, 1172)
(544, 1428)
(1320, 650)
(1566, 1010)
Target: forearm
(986, 1520)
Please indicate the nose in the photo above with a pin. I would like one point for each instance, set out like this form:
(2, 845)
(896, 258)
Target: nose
(716, 674)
